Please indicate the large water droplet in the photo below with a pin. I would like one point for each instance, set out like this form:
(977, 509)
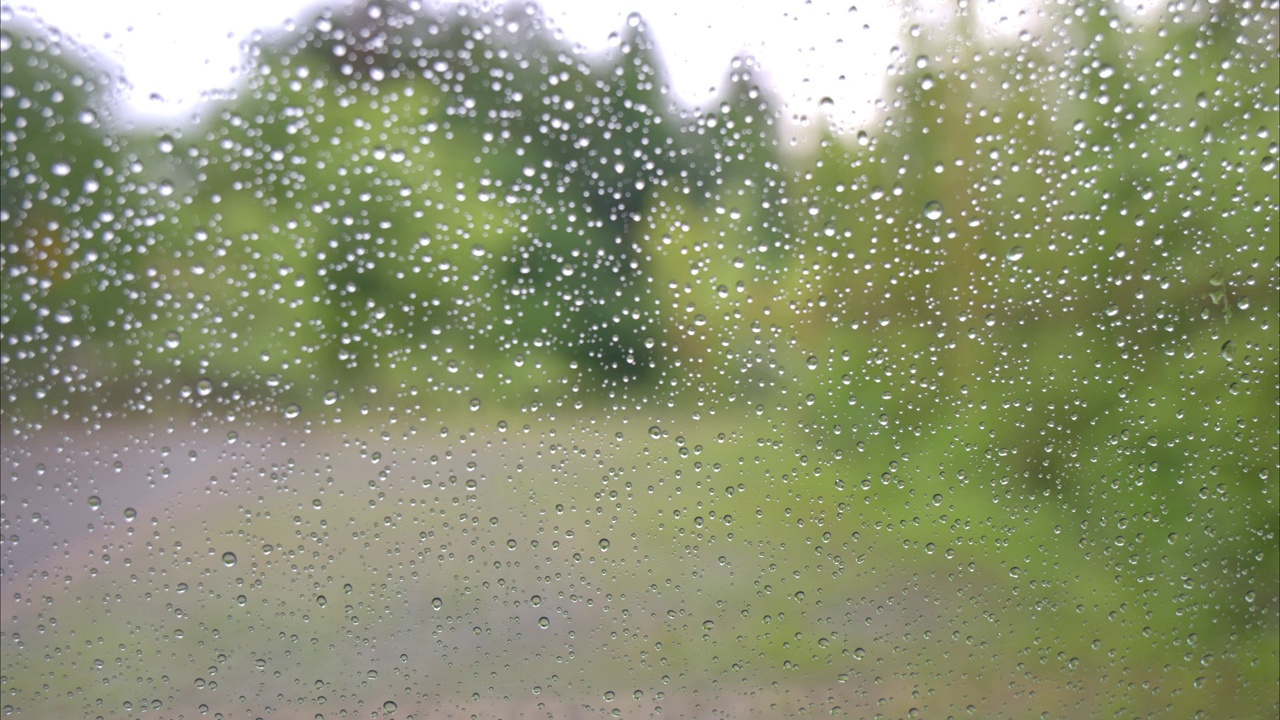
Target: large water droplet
(1229, 351)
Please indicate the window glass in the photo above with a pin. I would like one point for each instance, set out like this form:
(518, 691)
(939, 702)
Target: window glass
(449, 367)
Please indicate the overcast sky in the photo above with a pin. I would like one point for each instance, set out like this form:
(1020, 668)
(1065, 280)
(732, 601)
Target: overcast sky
(171, 52)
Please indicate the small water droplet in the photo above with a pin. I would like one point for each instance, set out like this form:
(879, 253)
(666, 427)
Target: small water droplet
(172, 340)
(1015, 253)
(436, 603)
(604, 543)
(61, 168)
(292, 410)
(95, 502)
(655, 432)
(228, 558)
(1229, 351)
(544, 622)
(933, 210)
(389, 707)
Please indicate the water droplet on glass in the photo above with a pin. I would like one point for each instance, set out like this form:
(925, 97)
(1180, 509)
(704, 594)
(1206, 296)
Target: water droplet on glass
(172, 340)
(292, 410)
(330, 397)
(933, 210)
(1229, 351)
(604, 543)
(389, 707)
(544, 622)
(1014, 254)
(61, 168)
(95, 502)
(228, 558)
(655, 432)
(436, 603)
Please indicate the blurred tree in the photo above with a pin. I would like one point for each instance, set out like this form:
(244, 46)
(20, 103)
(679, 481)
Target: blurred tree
(78, 214)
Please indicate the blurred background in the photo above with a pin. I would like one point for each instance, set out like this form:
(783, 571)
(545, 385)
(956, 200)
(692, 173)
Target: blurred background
(444, 364)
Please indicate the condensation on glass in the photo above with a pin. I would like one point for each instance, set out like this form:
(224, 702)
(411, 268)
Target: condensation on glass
(451, 369)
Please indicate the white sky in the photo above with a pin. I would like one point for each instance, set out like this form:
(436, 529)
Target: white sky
(171, 52)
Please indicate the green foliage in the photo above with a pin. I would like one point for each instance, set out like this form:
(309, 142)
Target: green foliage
(1019, 330)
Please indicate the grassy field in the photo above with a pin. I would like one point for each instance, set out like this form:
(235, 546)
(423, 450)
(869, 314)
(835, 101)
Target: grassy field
(588, 566)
